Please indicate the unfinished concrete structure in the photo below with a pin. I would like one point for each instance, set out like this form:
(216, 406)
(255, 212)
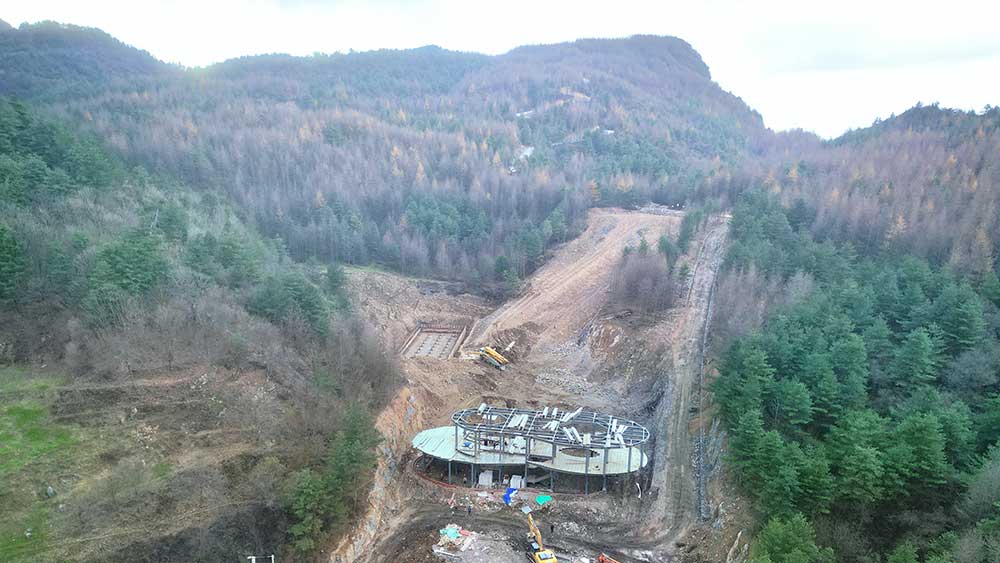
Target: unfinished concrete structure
(551, 441)
(434, 342)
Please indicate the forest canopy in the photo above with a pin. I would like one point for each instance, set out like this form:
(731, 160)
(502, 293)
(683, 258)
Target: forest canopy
(871, 404)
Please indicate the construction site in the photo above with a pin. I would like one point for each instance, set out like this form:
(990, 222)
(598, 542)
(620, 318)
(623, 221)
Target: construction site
(555, 424)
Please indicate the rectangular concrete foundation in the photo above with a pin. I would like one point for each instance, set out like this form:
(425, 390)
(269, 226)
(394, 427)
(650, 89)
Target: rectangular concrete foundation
(431, 342)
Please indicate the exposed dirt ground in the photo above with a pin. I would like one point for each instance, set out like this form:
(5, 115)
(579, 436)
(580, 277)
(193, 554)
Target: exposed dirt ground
(569, 291)
(162, 458)
(572, 349)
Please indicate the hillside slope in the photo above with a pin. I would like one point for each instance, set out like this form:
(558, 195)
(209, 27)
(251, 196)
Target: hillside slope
(54, 61)
(172, 370)
(426, 161)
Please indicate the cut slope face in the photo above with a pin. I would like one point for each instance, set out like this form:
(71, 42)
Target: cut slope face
(675, 478)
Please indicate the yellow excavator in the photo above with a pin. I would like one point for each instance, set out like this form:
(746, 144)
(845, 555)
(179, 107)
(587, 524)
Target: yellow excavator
(538, 552)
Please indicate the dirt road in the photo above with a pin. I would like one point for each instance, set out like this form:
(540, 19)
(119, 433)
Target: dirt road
(571, 288)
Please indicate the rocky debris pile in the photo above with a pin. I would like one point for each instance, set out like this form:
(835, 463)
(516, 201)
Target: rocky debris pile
(464, 546)
(455, 538)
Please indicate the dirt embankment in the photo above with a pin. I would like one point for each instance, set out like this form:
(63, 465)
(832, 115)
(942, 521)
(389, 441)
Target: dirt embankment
(396, 306)
(574, 350)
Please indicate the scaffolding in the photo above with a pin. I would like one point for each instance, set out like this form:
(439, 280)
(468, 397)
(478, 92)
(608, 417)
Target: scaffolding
(577, 442)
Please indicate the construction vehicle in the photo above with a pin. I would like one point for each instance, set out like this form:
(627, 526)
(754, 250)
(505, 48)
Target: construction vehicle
(538, 552)
(490, 356)
(496, 355)
(602, 558)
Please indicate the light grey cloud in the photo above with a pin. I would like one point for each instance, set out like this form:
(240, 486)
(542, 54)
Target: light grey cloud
(854, 47)
(822, 66)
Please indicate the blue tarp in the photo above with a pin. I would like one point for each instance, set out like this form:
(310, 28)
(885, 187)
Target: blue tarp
(511, 491)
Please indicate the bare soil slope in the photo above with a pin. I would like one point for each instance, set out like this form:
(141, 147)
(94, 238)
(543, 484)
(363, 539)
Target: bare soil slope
(571, 288)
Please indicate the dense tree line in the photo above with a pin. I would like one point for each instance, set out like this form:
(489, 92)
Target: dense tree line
(425, 161)
(871, 406)
(925, 182)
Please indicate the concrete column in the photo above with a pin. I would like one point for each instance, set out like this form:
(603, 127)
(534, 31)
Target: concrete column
(527, 452)
(552, 474)
(475, 458)
(604, 470)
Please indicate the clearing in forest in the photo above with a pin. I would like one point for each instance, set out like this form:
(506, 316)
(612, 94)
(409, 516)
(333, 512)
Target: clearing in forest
(571, 288)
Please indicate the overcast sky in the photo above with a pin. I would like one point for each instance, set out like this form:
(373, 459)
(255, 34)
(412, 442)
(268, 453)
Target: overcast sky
(822, 66)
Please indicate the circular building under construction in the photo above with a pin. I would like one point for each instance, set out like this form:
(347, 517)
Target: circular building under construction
(523, 447)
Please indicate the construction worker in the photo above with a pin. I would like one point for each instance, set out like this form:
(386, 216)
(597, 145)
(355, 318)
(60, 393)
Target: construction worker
(468, 510)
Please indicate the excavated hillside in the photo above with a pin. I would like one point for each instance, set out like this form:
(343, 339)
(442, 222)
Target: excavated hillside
(573, 348)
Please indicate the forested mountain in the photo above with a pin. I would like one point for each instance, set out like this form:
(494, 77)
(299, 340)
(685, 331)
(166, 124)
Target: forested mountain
(925, 182)
(155, 218)
(427, 161)
(53, 61)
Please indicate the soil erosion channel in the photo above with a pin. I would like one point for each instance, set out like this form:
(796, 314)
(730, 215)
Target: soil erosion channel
(573, 348)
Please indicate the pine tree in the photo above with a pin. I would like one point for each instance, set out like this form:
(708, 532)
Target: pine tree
(745, 442)
(959, 313)
(815, 481)
(335, 278)
(745, 375)
(877, 342)
(669, 251)
(323, 499)
(818, 373)
(904, 553)
(915, 361)
(136, 264)
(306, 501)
(856, 462)
(850, 362)
(12, 263)
(790, 540)
(914, 309)
(776, 468)
(789, 403)
(989, 287)
(923, 435)
(987, 424)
